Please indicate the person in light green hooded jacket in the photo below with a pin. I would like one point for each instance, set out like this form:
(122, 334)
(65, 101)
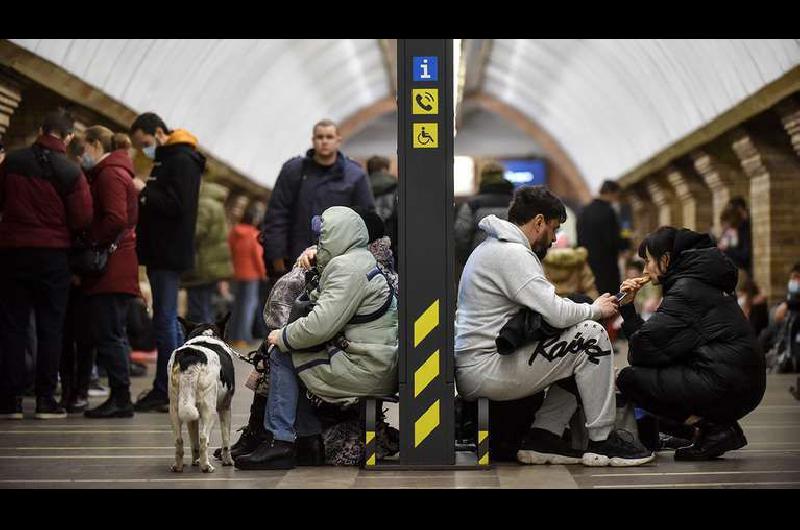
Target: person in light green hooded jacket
(338, 359)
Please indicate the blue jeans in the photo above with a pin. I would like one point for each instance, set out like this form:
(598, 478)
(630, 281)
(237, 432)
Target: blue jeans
(164, 285)
(199, 298)
(244, 309)
(289, 412)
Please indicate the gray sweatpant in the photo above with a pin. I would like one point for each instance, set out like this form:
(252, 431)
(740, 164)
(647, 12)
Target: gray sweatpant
(583, 351)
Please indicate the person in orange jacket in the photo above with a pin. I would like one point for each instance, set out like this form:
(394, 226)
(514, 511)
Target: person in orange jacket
(248, 271)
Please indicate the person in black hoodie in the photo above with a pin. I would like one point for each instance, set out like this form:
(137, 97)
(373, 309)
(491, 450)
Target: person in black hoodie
(165, 232)
(696, 359)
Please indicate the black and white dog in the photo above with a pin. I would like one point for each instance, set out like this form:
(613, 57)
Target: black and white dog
(201, 382)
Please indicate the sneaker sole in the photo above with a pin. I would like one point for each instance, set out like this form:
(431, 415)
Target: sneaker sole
(14, 416)
(681, 457)
(538, 458)
(50, 415)
(598, 460)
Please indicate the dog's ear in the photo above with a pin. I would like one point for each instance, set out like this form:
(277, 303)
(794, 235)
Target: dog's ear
(222, 324)
(187, 326)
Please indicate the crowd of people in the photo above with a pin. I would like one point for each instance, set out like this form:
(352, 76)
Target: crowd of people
(312, 277)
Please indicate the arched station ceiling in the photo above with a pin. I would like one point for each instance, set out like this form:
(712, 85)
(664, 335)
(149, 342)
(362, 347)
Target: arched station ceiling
(609, 104)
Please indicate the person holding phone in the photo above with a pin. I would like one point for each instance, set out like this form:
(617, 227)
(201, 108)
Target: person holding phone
(695, 360)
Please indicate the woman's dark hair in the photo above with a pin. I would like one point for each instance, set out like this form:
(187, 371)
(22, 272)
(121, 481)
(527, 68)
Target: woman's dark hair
(658, 243)
(148, 122)
(374, 223)
(250, 216)
(530, 201)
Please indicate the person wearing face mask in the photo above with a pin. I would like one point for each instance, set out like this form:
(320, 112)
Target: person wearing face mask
(345, 348)
(781, 339)
(503, 276)
(109, 295)
(165, 234)
(44, 202)
(695, 361)
(600, 233)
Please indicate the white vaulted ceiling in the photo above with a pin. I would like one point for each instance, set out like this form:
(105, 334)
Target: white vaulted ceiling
(611, 104)
(251, 103)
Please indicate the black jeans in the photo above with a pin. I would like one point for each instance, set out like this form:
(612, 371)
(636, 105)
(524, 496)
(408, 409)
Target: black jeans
(108, 315)
(77, 355)
(32, 279)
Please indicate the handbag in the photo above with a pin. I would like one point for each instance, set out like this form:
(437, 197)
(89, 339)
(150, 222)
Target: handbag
(92, 260)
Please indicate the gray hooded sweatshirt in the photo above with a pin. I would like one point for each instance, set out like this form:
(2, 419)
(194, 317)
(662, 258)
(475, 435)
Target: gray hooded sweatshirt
(502, 276)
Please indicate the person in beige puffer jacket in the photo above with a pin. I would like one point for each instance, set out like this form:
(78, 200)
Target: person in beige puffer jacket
(568, 269)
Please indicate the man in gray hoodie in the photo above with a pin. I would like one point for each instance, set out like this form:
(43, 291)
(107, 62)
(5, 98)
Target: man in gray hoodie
(503, 275)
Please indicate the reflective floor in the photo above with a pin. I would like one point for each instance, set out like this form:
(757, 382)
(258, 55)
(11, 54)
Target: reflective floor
(137, 453)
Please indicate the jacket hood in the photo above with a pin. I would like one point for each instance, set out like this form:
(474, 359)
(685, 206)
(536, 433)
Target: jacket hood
(382, 183)
(48, 141)
(503, 230)
(182, 136)
(342, 230)
(214, 191)
(566, 258)
(695, 256)
(119, 159)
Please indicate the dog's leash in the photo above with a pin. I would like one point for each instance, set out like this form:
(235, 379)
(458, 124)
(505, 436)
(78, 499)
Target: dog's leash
(255, 357)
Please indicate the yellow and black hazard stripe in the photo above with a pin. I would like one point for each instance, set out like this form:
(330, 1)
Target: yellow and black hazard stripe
(426, 374)
(371, 414)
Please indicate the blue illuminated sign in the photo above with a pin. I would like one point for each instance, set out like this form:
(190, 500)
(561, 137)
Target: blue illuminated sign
(426, 68)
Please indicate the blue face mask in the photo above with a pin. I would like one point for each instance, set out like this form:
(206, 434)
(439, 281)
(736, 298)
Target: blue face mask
(87, 162)
(149, 152)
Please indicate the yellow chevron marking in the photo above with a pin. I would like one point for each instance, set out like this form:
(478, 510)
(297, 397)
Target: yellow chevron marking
(426, 423)
(371, 460)
(426, 373)
(484, 461)
(370, 436)
(482, 435)
(425, 324)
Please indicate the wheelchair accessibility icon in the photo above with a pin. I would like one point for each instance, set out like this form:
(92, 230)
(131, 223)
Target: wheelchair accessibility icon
(426, 135)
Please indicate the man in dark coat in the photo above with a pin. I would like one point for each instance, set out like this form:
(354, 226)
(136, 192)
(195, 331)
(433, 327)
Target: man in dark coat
(44, 202)
(600, 233)
(306, 187)
(494, 196)
(165, 233)
(695, 360)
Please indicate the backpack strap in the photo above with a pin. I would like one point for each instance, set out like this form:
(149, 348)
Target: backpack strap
(363, 319)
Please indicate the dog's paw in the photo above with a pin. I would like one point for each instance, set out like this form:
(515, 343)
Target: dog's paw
(207, 468)
(176, 468)
(227, 460)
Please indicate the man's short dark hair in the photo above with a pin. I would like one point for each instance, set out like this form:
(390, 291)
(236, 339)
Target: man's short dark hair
(530, 201)
(377, 163)
(58, 122)
(795, 269)
(609, 186)
(148, 122)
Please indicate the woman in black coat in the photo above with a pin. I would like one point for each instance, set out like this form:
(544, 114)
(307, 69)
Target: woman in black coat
(696, 359)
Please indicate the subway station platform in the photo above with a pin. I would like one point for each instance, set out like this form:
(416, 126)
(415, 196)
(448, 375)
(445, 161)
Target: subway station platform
(137, 453)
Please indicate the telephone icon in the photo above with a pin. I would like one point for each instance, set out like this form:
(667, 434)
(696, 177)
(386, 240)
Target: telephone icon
(425, 101)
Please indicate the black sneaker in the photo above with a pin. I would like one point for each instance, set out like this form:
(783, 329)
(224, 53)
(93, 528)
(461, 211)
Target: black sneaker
(540, 446)
(246, 444)
(113, 407)
(11, 409)
(76, 405)
(667, 442)
(620, 450)
(48, 408)
(275, 454)
(152, 401)
(714, 439)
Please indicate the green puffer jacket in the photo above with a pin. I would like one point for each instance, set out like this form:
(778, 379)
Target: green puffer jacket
(213, 256)
(349, 285)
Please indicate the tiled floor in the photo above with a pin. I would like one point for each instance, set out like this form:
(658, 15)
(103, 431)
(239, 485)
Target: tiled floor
(137, 453)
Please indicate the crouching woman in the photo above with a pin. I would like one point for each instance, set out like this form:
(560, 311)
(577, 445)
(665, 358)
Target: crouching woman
(344, 349)
(695, 360)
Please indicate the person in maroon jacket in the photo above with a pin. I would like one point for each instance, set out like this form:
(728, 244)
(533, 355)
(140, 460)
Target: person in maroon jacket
(116, 211)
(44, 200)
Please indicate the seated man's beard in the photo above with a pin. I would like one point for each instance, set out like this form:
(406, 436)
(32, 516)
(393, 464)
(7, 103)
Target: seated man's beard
(540, 249)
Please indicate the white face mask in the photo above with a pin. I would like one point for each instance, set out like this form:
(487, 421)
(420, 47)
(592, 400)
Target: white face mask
(149, 152)
(793, 286)
(87, 162)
